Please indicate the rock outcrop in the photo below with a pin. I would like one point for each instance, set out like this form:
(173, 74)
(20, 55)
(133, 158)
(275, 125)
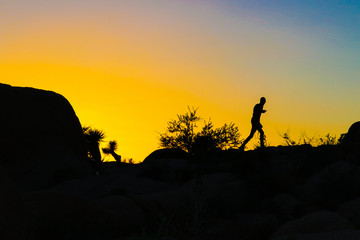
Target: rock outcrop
(41, 140)
(354, 133)
(351, 140)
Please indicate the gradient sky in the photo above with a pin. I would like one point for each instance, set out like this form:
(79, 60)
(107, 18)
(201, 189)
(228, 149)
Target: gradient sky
(127, 67)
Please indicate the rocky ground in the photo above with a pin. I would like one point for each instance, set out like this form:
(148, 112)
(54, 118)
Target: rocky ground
(49, 191)
(275, 193)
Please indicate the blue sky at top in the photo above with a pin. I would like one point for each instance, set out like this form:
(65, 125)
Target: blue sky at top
(331, 16)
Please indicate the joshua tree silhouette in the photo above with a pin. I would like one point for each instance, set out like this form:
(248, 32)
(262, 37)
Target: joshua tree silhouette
(110, 149)
(93, 138)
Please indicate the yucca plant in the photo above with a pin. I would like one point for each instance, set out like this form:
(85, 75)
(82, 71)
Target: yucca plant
(110, 149)
(93, 137)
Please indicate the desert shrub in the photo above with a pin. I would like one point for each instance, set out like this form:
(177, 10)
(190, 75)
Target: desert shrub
(181, 133)
(303, 139)
(288, 140)
(327, 140)
(129, 161)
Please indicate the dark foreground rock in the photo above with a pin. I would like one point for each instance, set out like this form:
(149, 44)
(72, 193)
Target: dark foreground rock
(317, 222)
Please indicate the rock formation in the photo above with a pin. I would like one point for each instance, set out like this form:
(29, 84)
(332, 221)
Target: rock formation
(41, 141)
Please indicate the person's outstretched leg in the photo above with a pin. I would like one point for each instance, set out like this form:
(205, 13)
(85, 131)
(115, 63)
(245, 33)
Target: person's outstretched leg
(253, 130)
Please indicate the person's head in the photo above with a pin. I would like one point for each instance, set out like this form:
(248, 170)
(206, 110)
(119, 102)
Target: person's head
(262, 100)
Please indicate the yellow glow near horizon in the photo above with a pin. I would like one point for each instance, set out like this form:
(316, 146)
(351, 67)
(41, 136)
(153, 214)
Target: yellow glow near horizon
(127, 68)
(129, 110)
(133, 111)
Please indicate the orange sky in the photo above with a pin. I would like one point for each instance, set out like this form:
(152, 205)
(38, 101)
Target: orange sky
(128, 67)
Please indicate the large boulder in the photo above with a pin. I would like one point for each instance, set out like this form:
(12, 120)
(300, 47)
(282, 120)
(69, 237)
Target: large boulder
(13, 216)
(228, 199)
(53, 215)
(332, 186)
(353, 134)
(318, 222)
(167, 169)
(223, 193)
(166, 153)
(351, 139)
(285, 206)
(167, 164)
(351, 210)
(256, 225)
(41, 139)
(96, 187)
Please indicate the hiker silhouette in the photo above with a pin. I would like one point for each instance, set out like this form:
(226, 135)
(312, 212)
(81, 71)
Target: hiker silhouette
(256, 125)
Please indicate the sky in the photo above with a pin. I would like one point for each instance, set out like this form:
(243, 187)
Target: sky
(128, 67)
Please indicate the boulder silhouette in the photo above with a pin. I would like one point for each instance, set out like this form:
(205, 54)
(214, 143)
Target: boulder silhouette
(352, 137)
(166, 165)
(256, 225)
(351, 210)
(286, 206)
(13, 217)
(317, 222)
(354, 132)
(166, 153)
(41, 138)
(340, 180)
(61, 216)
(224, 194)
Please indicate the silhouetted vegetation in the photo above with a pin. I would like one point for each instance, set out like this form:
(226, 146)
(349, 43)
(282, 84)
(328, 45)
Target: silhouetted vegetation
(181, 133)
(110, 149)
(93, 137)
(329, 139)
(314, 141)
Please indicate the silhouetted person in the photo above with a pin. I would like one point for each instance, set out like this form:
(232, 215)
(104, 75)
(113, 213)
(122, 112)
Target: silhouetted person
(256, 125)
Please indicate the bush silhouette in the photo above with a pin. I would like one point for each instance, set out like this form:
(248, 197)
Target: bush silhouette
(326, 140)
(181, 134)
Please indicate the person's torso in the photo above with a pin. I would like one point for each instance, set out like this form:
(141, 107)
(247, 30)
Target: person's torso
(257, 113)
